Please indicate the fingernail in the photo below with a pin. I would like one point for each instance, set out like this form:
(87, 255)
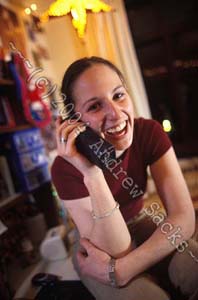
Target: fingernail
(82, 128)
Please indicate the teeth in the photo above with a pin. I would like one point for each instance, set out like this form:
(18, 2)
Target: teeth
(117, 128)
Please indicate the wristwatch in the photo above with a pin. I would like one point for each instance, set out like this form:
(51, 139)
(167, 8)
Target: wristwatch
(112, 276)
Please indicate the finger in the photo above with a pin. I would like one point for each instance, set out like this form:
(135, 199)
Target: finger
(59, 127)
(58, 121)
(60, 124)
(62, 133)
(71, 137)
(81, 255)
(82, 250)
(69, 134)
(86, 245)
(81, 260)
(65, 130)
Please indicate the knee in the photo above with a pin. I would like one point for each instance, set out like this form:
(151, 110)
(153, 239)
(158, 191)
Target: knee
(183, 269)
(147, 289)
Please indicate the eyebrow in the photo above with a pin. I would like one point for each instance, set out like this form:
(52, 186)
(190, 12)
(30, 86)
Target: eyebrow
(96, 98)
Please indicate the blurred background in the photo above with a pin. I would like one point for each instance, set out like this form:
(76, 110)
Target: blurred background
(154, 43)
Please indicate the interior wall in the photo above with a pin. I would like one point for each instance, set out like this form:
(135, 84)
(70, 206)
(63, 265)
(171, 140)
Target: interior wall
(107, 35)
(25, 45)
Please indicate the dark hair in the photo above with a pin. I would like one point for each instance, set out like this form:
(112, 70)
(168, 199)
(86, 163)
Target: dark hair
(76, 69)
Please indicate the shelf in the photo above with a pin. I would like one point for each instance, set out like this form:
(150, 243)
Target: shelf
(16, 128)
(12, 200)
(6, 82)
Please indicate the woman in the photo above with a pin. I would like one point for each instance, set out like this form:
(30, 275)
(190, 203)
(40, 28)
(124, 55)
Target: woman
(102, 203)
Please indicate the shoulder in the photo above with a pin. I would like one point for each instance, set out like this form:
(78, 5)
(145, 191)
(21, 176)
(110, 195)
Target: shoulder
(147, 129)
(145, 125)
(67, 180)
(58, 166)
(152, 141)
(62, 167)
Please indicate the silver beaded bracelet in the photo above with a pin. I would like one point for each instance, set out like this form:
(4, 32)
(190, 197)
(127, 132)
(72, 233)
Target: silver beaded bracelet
(107, 214)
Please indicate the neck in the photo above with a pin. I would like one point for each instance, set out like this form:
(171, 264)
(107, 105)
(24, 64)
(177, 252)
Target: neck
(119, 153)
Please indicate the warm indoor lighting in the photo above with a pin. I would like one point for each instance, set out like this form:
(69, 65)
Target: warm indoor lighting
(33, 7)
(77, 8)
(27, 11)
(167, 125)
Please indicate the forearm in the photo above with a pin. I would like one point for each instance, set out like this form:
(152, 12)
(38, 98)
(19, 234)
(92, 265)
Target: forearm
(163, 241)
(109, 233)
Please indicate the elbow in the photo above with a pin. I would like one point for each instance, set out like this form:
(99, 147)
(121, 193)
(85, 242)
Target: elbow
(124, 252)
(180, 226)
(124, 248)
(189, 225)
(192, 223)
(121, 250)
(188, 231)
(191, 229)
(115, 246)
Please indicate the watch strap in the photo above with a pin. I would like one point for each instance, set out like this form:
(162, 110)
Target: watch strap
(112, 276)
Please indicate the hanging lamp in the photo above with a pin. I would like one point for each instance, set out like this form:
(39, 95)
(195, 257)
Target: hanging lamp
(78, 10)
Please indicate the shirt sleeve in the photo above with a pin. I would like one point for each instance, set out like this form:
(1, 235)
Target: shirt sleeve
(67, 180)
(154, 141)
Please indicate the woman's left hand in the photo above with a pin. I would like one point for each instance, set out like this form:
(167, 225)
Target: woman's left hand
(93, 262)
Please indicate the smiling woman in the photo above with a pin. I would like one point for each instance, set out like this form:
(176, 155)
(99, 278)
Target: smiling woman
(103, 202)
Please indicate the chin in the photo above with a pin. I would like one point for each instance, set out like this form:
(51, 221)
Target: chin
(123, 145)
(121, 141)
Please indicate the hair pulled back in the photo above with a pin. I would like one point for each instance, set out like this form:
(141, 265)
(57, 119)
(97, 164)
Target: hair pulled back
(76, 69)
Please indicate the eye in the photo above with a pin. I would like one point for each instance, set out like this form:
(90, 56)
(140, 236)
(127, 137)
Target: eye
(94, 107)
(118, 96)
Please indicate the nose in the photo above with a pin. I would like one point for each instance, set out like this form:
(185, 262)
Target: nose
(113, 111)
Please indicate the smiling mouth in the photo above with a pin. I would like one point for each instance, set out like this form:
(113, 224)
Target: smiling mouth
(117, 131)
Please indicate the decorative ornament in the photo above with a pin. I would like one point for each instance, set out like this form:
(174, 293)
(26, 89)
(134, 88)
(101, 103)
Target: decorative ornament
(78, 10)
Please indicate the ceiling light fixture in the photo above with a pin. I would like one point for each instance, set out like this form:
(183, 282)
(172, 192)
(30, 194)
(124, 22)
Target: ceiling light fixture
(78, 10)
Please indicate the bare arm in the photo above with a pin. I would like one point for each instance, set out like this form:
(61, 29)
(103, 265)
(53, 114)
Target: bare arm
(110, 233)
(180, 214)
(180, 220)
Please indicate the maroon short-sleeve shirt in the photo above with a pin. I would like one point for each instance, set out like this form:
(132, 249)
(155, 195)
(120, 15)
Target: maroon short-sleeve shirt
(126, 176)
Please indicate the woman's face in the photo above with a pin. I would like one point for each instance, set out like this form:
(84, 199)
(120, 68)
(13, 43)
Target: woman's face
(103, 101)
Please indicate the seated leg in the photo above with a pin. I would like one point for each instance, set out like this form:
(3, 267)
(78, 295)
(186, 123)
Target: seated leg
(140, 288)
(183, 269)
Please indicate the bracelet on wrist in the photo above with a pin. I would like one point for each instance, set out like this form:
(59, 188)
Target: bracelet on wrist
(107, 214)
(112, 276)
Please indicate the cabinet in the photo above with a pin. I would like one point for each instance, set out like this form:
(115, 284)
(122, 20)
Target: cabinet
(24, 177)
(15, 200)
(25, 154)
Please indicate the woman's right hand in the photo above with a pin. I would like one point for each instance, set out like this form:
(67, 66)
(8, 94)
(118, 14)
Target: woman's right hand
(66, 134)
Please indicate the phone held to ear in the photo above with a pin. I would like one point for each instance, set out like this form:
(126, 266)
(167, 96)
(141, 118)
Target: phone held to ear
(96, 149)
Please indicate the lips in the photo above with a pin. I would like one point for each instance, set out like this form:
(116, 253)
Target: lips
(118, 130)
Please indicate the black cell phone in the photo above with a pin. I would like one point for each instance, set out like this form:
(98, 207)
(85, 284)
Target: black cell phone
(96, 149)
